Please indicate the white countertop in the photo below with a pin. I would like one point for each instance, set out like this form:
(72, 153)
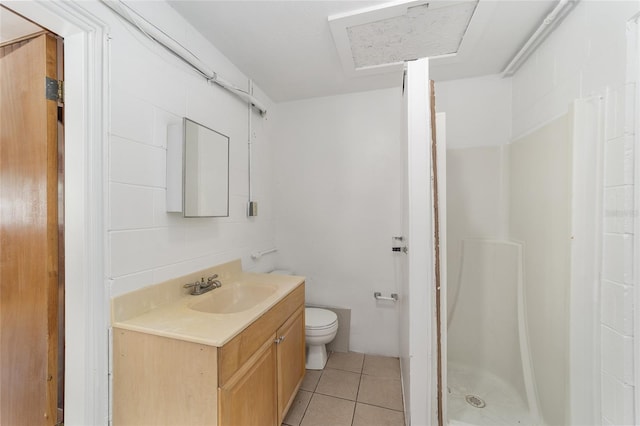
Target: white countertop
(164, 309)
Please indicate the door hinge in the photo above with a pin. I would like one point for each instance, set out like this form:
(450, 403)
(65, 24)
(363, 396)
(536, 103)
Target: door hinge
(54, 89)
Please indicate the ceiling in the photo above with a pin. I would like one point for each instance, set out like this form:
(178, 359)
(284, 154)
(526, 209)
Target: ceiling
(13, 27)
(287, 47)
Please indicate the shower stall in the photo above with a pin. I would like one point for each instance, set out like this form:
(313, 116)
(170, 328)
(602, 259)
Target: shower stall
(521, 320)
(489, 369)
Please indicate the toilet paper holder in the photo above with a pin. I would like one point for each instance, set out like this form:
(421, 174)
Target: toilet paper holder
(378, 296)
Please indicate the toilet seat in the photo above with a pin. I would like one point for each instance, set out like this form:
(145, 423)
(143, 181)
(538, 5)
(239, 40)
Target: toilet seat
(319, 319)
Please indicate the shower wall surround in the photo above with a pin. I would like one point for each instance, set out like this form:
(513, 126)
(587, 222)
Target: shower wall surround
(150, 89)
(540, 218)
(475, 183)
(516, 193)
(586, 56)
(476, 168)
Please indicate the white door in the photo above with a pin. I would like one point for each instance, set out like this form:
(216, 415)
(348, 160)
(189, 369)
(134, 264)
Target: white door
(418, 334)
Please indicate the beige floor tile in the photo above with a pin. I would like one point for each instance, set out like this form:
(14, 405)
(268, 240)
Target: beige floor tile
(310, 380)
(381, 391)
(368, 415)
(338, 383)
(381, 366)
(348, 361)
(328, 411)
(297, 409)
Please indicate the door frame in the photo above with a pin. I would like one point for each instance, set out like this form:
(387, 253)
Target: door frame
(441, 147)
(633, 75)
(418, 352)
(86, 112)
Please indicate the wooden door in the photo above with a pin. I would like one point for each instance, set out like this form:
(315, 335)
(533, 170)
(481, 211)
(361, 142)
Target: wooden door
(28, 234)
(291, 360)
(250, 396)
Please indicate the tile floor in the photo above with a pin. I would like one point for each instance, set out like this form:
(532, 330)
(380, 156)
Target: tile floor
(354, 389)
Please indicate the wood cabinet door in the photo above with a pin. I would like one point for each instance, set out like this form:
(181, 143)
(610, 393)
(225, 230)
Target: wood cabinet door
(291, 360)
(29, 224)
(162, 381)
(250, 397)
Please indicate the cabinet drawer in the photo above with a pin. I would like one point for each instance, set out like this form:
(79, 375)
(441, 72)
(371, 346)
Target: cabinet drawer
(239, 349)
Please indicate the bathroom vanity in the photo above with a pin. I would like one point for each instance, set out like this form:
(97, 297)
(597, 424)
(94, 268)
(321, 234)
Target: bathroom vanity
(179, 359)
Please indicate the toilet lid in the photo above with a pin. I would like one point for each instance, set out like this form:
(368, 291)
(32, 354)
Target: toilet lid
(319, 318)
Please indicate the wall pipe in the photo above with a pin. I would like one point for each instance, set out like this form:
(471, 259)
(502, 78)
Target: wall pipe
(549, 23)
(166, 41)
(251, 205)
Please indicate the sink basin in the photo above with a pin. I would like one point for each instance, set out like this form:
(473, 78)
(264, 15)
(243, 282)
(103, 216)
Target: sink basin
(233, 298)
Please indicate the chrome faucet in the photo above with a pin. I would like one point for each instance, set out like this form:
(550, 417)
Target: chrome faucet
(200, 287)
(213, 281)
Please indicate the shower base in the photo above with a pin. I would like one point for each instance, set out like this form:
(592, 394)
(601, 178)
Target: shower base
(503, 404)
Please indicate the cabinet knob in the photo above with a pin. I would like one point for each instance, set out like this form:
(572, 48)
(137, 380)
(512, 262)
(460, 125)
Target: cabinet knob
(279, 340)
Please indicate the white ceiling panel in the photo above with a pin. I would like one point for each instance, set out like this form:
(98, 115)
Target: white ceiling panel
(288, 49)
(382, 38)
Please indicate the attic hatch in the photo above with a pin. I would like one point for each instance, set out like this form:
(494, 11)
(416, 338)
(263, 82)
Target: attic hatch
(380, 39)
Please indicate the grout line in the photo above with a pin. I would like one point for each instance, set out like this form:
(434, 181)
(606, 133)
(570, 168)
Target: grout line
(304, 413)
(359, 385)
(353, 413)
(393, 378)
(336, 397)
(355, 406)
(315, 388)
(380, 406)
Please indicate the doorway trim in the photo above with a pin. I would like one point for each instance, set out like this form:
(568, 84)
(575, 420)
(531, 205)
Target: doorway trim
(418, 342)
(86, 112)
(633, 76)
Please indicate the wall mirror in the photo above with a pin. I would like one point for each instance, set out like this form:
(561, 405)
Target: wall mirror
(206, 171)
(203, 171)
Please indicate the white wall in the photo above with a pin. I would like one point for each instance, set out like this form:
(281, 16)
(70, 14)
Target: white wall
(338, 196)
(478, 111)
(476, 204)
(587, 56)
(478, 127)
(149, 89)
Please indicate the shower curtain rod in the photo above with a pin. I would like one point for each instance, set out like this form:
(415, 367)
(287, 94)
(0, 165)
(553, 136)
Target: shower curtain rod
(166, 41)
(549, 23)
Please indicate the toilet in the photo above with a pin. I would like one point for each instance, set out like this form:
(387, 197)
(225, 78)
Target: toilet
(321, 327)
